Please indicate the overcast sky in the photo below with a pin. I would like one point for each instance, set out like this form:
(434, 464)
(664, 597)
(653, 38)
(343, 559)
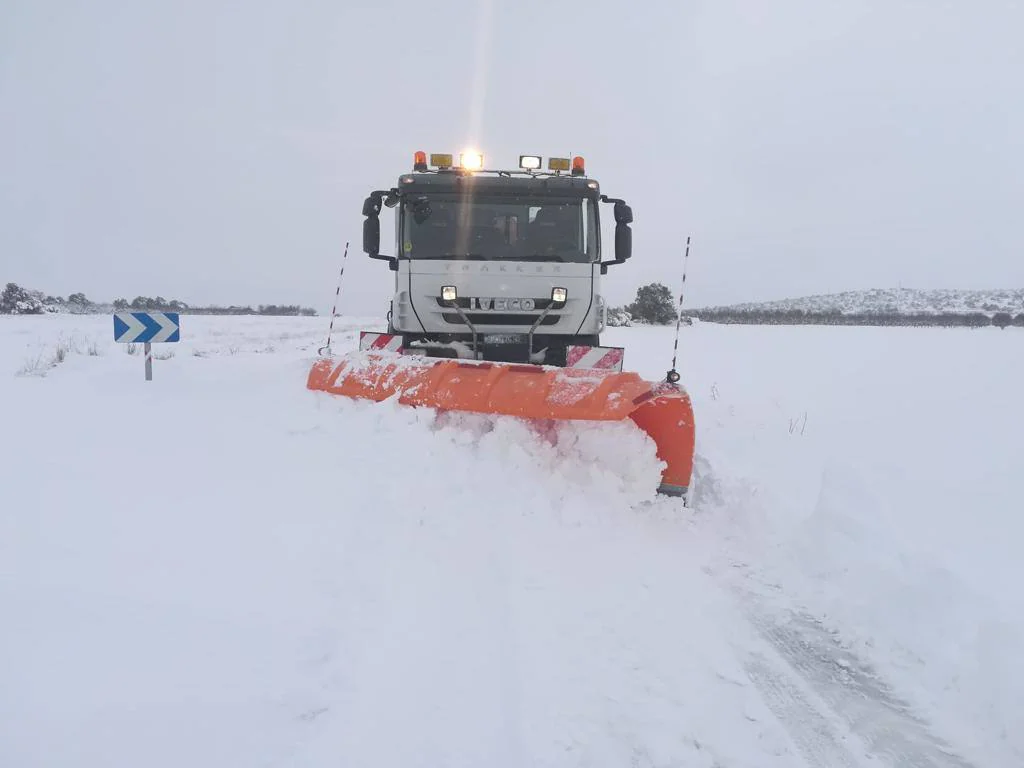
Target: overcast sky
(220, 151)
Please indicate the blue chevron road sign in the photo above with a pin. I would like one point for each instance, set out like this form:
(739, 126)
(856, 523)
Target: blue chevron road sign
(146, 327)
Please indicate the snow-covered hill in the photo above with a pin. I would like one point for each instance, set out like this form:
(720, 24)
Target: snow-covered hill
(894, 301)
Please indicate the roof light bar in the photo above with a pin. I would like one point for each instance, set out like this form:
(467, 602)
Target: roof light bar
(474, 161)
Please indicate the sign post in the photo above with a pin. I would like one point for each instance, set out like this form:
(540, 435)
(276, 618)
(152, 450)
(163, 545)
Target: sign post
(149, 328)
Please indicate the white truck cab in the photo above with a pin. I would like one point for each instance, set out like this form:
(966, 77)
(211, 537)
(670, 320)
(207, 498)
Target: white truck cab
(500, 265)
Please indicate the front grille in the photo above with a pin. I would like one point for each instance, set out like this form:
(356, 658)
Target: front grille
(464, 303)
(492, 318)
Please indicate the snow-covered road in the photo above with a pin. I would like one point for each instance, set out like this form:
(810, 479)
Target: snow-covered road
(220, 568)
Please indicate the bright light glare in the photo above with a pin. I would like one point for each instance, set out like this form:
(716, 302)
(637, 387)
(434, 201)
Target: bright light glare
(529, 162)
(471, 160)
(448, 293)
(558, 295)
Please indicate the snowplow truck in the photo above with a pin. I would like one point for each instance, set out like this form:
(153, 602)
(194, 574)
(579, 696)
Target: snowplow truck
(497, 306)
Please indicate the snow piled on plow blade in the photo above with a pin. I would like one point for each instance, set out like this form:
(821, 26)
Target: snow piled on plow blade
(611, 461)
(537, 393)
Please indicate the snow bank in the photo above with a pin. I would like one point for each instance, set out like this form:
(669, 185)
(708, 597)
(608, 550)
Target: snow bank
(868, 476)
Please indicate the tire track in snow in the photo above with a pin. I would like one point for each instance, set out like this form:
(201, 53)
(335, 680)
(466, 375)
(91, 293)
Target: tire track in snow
(823, 694)
(853, 693)
(820, 691)
(809, 729)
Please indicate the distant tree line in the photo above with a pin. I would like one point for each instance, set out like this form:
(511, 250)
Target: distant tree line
(835, 317)
(160, 304)
(15, 300)
(144, 303)
(655, 305)
(275, 310)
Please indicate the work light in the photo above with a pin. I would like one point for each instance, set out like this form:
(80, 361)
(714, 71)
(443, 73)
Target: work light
(529, 162)
(471, 161)
(448, 293)
(558, 295)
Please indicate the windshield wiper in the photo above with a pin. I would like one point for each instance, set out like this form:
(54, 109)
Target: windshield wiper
(481, 257)
(452, 256)
(539, 257)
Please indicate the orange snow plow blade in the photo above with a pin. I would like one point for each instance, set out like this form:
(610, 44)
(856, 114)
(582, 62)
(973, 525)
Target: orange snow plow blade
(663, 411)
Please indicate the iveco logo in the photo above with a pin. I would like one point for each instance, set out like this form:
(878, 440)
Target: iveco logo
(503, 305)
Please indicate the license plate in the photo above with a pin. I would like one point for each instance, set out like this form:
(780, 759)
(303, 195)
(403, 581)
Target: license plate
(505, 338)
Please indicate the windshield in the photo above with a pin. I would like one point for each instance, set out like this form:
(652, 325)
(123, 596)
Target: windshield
(501, 227)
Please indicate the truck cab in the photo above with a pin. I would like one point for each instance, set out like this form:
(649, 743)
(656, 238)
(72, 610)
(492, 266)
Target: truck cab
(500, 265)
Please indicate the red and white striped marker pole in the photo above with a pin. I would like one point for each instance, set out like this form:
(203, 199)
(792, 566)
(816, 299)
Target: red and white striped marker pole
(334, 310)
(672, 377)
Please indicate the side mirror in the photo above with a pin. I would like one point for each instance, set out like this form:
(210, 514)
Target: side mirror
(371, 205)
(623, 241)
(371, 228)
(623, 234)
(371, 235)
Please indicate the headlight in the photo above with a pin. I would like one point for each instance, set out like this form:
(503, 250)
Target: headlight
(448, 293)
(471, 161)
(558, 295)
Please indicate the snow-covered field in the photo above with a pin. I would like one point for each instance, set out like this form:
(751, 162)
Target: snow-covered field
(220, 568)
